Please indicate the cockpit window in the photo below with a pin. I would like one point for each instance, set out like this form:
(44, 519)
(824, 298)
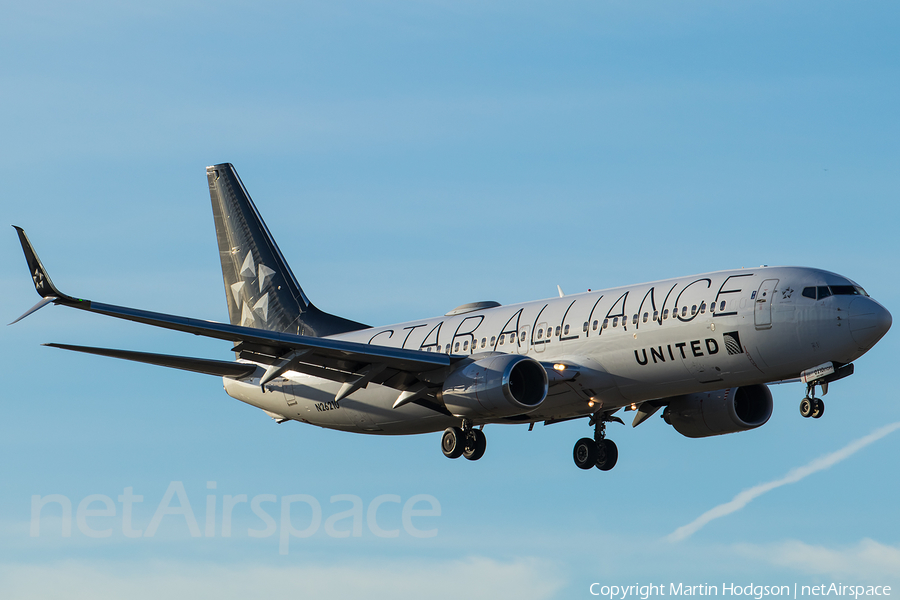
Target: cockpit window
(823, 291)
(847, 290)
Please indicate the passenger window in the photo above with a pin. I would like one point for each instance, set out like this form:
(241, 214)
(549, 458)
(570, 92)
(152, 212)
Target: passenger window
(684, 311)
(634, 320)
(615, 321)
(586, 324)
(595, 325)
(456, 347)
(566, 330)
(605, 323)
(483, 342)
(646, 316)
(665, 314)
(722, 305)
(702, 307)
(656, 315)
(693, 310)
(824, 292)
(557, 331)
(540, 333)
(493, 339)
(502, 339)
(523, 337)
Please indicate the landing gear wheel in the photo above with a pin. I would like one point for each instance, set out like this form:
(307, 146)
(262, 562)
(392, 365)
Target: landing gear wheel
(585, 453)
(818, 409)
(453, 442)
(476, 444)
(607, 455)
(807, 407)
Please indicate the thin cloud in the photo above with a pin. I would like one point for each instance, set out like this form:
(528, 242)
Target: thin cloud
(866, 561)
(412, 579)
(793, 476)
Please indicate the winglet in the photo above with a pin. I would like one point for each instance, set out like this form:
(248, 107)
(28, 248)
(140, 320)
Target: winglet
(42, 283)
(44, 302)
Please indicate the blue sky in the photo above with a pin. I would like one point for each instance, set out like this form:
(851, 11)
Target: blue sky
(410, 157)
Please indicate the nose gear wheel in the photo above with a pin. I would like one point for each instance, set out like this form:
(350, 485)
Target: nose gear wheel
(811, 406)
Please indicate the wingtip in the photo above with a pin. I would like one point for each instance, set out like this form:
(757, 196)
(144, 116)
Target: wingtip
(42, 283)
(41, 304)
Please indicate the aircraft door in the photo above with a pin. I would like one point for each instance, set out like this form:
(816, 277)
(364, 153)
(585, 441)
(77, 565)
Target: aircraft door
(543, 331)
(762, 307)
(524, 340)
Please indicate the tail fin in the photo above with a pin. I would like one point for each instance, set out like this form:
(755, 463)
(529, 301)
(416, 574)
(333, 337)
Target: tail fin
(260, 288)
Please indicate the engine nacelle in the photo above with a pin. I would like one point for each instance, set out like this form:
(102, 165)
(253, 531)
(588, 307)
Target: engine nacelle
(722, 411)
(502, 385)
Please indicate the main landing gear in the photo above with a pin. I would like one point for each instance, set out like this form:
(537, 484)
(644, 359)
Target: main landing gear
(598, 452)
(465, 441)
(811, 406)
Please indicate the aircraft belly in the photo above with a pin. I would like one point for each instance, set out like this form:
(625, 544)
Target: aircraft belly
(368, 410)
(273, 401)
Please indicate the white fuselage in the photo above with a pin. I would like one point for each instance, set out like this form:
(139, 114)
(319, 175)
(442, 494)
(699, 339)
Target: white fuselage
(630, 344)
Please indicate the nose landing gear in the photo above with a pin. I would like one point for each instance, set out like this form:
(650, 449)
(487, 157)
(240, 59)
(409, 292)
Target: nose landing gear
(598, 452)
(811, 406)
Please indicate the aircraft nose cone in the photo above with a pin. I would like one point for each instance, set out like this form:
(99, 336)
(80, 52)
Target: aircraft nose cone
(869, 321)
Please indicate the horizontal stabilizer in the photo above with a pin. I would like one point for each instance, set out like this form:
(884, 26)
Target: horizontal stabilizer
(220, 368)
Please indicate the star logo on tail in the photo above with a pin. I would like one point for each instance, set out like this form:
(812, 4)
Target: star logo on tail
(252, 308)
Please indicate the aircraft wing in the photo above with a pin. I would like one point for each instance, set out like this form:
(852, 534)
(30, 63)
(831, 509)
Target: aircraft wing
(220, 368)
(351, 363)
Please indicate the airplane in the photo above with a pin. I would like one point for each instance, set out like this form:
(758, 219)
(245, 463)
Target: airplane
(702, 348)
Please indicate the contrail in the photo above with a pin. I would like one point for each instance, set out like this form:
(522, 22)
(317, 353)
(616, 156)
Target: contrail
(793, 476)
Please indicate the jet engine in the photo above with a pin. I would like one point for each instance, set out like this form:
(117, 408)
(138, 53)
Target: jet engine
(501, 385)
(722, 411)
